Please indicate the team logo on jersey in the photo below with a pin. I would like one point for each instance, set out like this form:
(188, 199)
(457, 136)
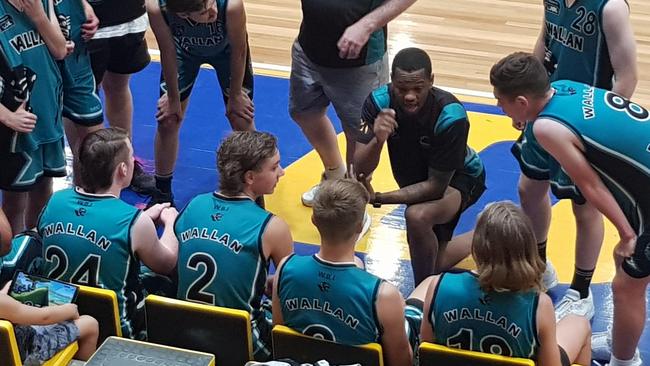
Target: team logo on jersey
(80, 211)
(65, 25)
(6, 22)
(485, 299)
(216, 217)
(324, 286)
(364, 127)
(552, 6)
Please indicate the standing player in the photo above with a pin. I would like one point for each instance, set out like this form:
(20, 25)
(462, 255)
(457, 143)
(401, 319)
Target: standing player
(589, 42)
(227, 240)
(339, 57)
(82, 108)
(439, 176)
(189, 34)
(32, 38)
(363, 307)
(501, 307)
(93, 238)
(573, 123)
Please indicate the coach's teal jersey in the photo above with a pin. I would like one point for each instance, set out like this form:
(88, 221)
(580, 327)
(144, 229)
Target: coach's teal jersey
(575, 44)
(334, 301)
(203, 40)
(87, 241)
(25, 41)
(71, 16)
(220, 256)
(464, 316)
(616, 135)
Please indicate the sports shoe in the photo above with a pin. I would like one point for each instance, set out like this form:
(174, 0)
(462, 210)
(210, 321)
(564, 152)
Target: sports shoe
(307, 198)
(158, 196)
(550, 276)
(142, 182)
(571, 303)
(601, 348)
(367, 220)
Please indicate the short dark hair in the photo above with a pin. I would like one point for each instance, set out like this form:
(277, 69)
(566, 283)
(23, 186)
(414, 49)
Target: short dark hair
(184, 6)
(240, 152)
(520, 73)
(412, 59)
(100, 152)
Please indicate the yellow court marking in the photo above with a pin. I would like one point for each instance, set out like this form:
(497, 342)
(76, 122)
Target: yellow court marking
(389, 242)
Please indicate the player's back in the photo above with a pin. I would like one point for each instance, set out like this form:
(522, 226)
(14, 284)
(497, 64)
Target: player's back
(335, 301)
(220, 256)
(87, 240)
(500, 322)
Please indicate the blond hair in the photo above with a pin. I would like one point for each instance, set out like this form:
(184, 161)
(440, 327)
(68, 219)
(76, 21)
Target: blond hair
(339, 207)
(505, 250)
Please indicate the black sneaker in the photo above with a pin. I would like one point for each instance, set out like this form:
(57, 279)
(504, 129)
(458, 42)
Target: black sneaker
(159, 196)
(142, 182)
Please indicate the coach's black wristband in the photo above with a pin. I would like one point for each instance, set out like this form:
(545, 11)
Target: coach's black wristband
(375, 202)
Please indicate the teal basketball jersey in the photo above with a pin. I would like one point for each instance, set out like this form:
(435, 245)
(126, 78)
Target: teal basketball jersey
(575, 44)
(615, 133)
(332, 301)
(87, 241)
(220, 256)
(464, 316)
(202, 40)
(24, 41)
(71, 16)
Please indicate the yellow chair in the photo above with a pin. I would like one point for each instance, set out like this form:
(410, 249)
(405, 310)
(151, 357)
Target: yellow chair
(101, 304)
(287, 343)
(438, 355)
(223, 332)
(9, 355)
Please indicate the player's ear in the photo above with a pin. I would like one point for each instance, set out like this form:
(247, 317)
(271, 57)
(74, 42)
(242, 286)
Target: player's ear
(521, 100)
(249, 177)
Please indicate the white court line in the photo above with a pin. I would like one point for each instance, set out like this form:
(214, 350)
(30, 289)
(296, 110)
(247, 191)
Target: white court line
(287, 69)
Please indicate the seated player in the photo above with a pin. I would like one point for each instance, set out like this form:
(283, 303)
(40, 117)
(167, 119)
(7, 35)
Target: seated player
(501, 307)
(574, 123)
(439, 176)
(91, 237)
(5, 235)
(226, 240)
(191, 33)
(363, 307)
(42, 332)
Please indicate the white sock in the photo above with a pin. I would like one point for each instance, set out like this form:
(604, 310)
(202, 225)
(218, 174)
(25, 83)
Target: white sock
(336, 173)
(613, 361)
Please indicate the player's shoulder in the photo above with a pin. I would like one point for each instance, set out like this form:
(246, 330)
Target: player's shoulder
(380, 97)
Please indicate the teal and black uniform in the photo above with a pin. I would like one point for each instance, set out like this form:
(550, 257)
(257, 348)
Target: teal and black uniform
(435, 138)
(464, 316)
(621, 157)
(333, 301)
(203, 43)
(80, 101)
(575, 49)
(220, 258)
(87, 241)
(40, 152)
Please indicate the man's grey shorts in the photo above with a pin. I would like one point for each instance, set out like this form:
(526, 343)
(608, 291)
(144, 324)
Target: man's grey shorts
(313, 88)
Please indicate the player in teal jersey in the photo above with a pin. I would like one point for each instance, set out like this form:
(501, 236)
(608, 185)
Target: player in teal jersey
(82, 108)
(590, 42)
(573, 123)
(501, 308)
(31, 34)
(189, 34)
(93, 238)
(226, 241)
(328, 296)
(5, 235)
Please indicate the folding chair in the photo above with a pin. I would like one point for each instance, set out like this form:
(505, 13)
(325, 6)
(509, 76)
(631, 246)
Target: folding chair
(438, 355)
(11, 357)
(101, 304)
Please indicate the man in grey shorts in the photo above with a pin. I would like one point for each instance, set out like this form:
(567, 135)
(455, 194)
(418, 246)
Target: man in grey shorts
(339, 57)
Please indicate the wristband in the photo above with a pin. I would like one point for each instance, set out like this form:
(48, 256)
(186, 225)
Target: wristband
(376, 203)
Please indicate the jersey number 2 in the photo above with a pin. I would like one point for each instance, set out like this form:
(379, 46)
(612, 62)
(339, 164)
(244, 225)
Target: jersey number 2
(196, 291)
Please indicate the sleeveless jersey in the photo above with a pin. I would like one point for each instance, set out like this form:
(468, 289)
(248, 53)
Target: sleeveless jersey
(616, 135)
(203, 40)
(220, 257)
(333, 301)
(323, 24)
(575, 45)
(464, 316)
(26, 44)
(435, 138)
(87, 240)
(71, 16)
(114, 12)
